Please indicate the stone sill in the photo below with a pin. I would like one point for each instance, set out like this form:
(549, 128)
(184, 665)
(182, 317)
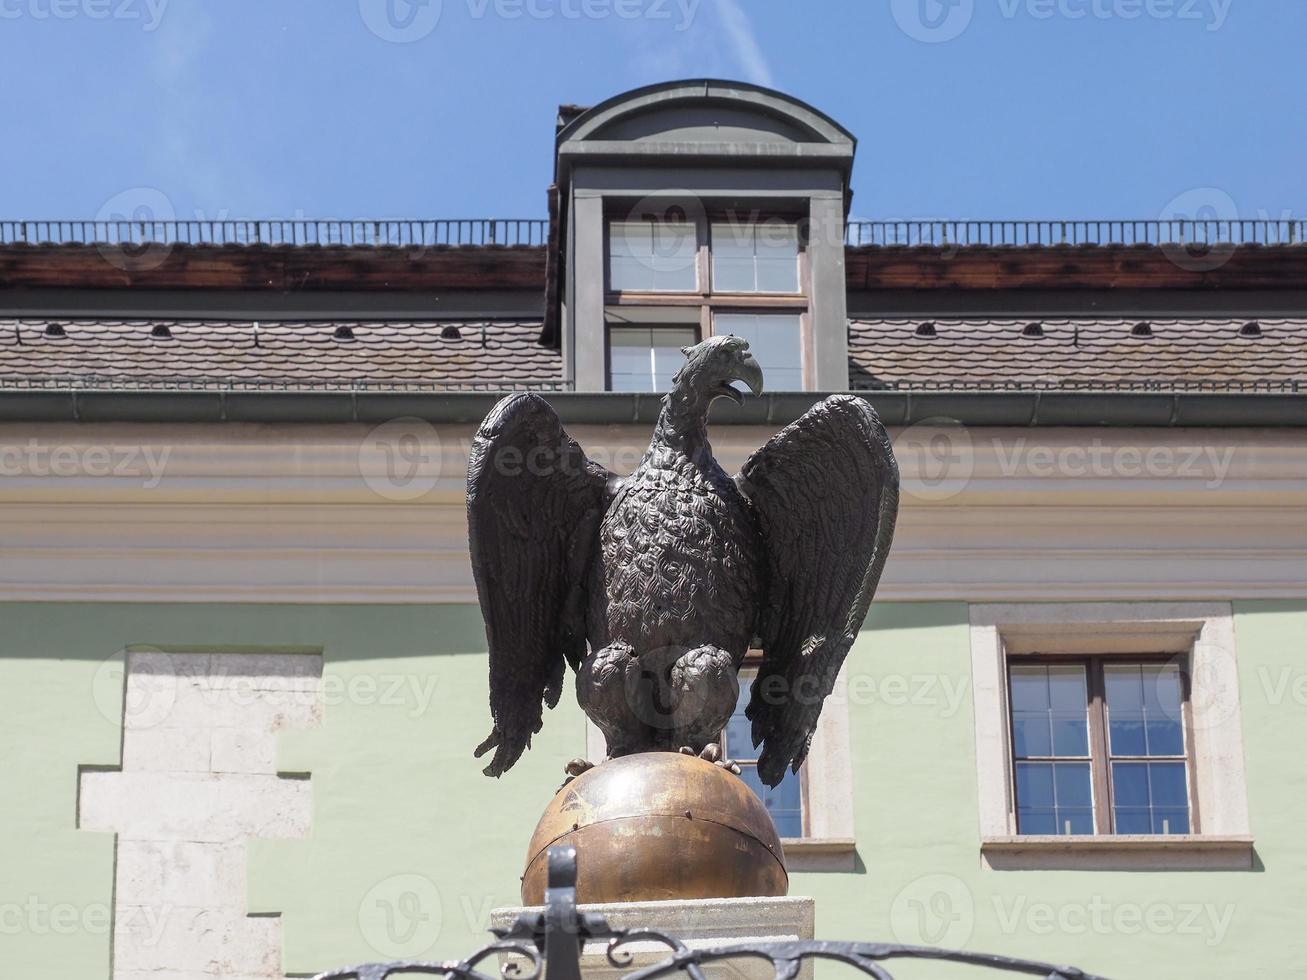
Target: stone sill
(819, 853)
(1233, 852)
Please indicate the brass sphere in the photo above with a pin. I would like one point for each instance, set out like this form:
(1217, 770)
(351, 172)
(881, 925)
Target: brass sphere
(659, 826)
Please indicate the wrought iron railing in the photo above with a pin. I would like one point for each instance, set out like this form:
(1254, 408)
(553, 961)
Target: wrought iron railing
(1178, 231)
(550, 943)
(481, 232)
(456, 232)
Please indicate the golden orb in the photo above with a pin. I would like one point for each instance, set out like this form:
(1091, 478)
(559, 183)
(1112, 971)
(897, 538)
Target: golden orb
(659, 826)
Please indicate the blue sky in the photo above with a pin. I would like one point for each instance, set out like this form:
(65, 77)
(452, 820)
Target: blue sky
(375, 108)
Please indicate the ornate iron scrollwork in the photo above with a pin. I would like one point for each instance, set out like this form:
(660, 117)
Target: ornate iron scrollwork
(550, 942)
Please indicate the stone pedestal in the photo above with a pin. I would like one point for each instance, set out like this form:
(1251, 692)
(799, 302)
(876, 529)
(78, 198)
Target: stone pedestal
(698, 923)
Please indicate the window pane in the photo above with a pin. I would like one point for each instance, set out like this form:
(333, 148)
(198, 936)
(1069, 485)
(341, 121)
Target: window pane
(732, 253)
(1077, 821)
(1054, 798)
(1029, 688)
(732, 275)
(1035, 786)
(1067, 695)
(628, 244)
(761, 257)
(1072, 782)
(1124, 687)
(647, 255)
(1050, 715)
(1066, 689)
(675, 247)
(778, 258)
(1036, 822)
(1126, 734)
(1170, 821)
(1164, 737)
(1162, 699)
(1144, 710)
(646, 358)
(1167, 783)
(775, 341)
(1150, 798)
(1130, 784)
(1031, 734)
(785, 801)
(1133, 820)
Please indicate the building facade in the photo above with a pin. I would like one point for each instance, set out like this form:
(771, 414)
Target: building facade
(243, 668)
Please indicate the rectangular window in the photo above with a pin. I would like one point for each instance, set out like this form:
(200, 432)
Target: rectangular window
(1098, 746)
(652, 256)
(775, 340)
(1146, 748)
(785, 801)
(646, 358)
(755, 257)
(1050, 747)
(722, 274)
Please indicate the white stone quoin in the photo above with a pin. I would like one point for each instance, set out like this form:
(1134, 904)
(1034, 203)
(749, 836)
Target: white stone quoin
(699, 923)
(198, 780)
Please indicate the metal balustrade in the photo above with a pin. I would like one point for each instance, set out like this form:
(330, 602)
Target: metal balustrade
(1156, 232)
(448, 232)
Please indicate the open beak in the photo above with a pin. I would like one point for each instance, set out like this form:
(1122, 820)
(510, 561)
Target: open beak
(750, 372)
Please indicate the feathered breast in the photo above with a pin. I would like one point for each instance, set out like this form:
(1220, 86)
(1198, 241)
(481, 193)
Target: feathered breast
(680, 556)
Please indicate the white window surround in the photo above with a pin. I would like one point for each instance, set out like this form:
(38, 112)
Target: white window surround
(1204, 631)
(827, 795)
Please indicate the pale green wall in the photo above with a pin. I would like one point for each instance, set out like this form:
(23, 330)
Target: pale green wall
(396, 793)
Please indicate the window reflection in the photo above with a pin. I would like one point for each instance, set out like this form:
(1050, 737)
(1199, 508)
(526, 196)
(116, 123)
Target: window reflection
(785, 801)
(646, 358)
(775, 341)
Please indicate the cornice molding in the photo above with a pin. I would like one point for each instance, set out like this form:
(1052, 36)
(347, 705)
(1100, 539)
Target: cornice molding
(309, 514)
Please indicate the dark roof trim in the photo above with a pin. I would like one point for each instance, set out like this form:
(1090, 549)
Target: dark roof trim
(753, 98)
(1019, 409)
(273, 268)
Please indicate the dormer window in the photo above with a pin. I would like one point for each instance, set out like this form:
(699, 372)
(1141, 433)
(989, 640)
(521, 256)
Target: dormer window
(755, 257)
(701, 206)
(653, 256)
(691, 278)
(646, 358)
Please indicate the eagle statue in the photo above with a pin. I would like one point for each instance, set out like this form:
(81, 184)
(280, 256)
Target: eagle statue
(654, 587)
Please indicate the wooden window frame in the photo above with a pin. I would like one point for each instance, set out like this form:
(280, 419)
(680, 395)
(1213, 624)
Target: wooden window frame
(1100, 757)
(706, 299)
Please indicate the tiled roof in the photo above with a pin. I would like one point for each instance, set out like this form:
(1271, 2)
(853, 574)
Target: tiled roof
(973, 354)
(404, 355)
(1079, 354)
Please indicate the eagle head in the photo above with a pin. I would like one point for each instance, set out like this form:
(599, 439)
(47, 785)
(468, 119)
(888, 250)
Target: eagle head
(713, 365)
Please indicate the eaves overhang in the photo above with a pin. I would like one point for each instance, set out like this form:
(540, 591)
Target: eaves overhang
(896, 408)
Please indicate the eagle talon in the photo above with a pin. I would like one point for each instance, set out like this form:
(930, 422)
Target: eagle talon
(712, 752)
(576, 767)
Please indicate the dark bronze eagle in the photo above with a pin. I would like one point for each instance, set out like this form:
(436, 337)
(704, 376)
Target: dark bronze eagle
(653, 587)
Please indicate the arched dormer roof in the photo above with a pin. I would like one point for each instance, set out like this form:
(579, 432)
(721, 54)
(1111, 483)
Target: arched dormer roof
(769, 110)
(705, 119)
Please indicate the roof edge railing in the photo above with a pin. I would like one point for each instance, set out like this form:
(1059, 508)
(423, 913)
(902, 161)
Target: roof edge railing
(449, 232)
(1044, 233)
(484, 232)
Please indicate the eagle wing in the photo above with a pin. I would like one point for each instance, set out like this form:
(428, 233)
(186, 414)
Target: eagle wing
(825, 490)
(534, 503)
